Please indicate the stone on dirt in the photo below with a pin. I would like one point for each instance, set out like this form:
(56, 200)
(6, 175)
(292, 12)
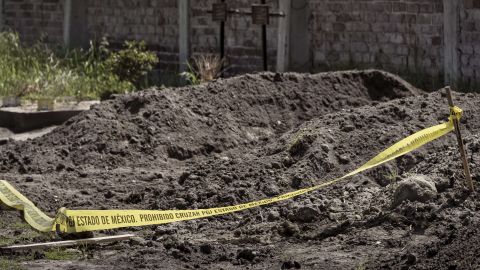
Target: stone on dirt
(418, 188)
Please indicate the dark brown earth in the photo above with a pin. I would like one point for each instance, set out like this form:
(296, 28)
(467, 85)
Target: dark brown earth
(253, 137)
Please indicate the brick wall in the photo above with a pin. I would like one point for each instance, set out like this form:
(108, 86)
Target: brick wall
(469, 41)
(155, 22)
(35, 19)
(243, 44)
(396, 35)
(399, 34)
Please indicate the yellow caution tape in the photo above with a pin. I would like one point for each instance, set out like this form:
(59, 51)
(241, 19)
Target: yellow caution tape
(71, 221)
(34, 216)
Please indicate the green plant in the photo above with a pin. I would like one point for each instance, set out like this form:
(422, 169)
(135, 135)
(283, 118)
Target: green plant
(24, 233)
(6, 264)
(392, 175)
(61, 254)
(132, 63)
(37, 71)
(361, 266)
(190, 77)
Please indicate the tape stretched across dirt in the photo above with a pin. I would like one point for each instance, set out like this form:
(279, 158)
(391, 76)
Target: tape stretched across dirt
(72, 221)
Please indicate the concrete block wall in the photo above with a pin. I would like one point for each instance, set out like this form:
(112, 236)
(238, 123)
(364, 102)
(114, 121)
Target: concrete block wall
(243, 44)
(403, 34)
(469, 41)
(34, 19)
(392, 34)
(155, 22)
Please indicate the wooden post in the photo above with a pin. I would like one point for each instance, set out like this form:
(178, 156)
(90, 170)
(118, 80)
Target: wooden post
(283, 36)
(183, 43)
(67, 20)
(461, 147)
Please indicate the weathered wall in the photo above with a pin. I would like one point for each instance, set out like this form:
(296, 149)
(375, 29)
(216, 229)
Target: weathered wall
(243, 44)
(393, 34)
(404, 34)
(35, 19)
(155, 22)
(469, 41)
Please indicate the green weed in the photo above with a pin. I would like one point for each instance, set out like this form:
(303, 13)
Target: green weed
(61, 254)
(203, 68)
(392, 175)
(6, 264)
(39, 71)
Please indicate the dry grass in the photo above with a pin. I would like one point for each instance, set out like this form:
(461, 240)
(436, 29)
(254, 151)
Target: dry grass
(204, 68)
(208, 67)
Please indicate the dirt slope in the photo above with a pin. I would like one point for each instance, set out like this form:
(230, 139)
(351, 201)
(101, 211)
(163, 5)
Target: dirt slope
(252, 137)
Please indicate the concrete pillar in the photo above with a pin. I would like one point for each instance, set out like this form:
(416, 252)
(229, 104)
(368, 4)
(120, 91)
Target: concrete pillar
(300, 56)
(79, 36)
(183, 42)
(67, 16)
(283, 36)
(450, 41)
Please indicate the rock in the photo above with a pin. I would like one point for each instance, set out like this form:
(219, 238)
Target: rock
(38, 255)
(247, 254)
(343, 159)
(325, 147)
(273, 215)
(414, 188)
(410, 259)
(336, 205)
(227, 178)
(291, 265)
(271, 190)
(288, 229)
(167, 229)
(60, 167)
(287, 161)
(206, 249)
(442, 184)
(296, 182)
(73, 251)
(306, 214)
(134, 198)
(276, 165)
(348, 128)
(109, 194)
(137, 241)
(183, 177)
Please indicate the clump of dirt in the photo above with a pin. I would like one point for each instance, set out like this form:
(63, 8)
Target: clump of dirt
(252, 137)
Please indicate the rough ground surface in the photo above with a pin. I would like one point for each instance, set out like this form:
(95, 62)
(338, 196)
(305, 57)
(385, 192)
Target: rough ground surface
(252, 137)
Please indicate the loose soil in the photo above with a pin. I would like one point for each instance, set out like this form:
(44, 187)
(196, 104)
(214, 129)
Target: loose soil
(252, 137)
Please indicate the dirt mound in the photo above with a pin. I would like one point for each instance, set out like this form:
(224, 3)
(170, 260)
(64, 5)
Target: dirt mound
(252, 137)
(137, 129)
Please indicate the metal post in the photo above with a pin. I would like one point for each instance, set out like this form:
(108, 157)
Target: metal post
(222, 38)
(461, 147)
(264, 44)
